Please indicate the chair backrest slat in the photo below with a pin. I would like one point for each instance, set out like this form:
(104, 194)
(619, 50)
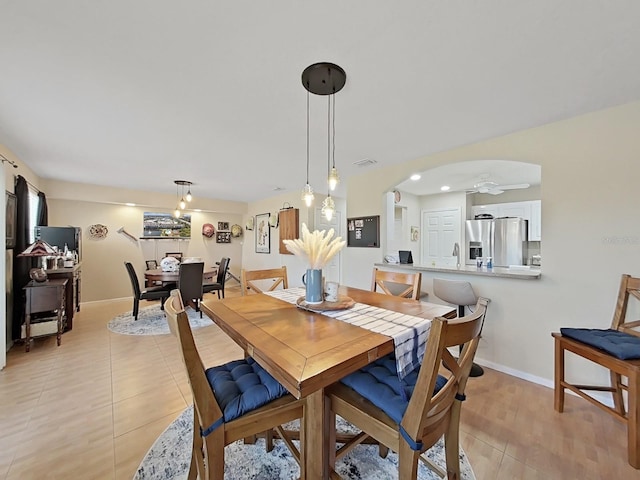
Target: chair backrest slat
(133, 277)
(250, 277)
(222, 270)
(190, 281)
(629, 287)
(387, 282)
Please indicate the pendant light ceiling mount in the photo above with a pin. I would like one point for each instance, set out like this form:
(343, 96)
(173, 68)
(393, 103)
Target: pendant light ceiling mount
(324, 78)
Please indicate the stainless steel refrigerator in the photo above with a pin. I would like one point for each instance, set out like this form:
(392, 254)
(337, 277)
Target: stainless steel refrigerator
(509, 241)
(502, 239)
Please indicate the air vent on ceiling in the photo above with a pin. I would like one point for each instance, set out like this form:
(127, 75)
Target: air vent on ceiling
(365, 163)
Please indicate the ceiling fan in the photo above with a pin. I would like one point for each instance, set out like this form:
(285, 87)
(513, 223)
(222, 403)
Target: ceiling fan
(492, 188)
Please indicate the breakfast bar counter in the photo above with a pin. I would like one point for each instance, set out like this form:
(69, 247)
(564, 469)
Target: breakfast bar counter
(520, 273)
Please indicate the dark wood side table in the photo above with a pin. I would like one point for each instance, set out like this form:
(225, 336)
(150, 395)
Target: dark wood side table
(73, 289)
(41, 297)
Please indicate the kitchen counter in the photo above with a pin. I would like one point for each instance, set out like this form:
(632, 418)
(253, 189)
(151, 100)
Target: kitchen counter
(522, 273)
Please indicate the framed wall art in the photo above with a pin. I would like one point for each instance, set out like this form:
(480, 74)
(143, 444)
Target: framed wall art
(10, 219)
(223, 225)
(263, 234)
(223, 237)
(163, 225)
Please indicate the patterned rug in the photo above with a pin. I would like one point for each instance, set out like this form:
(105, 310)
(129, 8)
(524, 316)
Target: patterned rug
(152, 321)
(169, 457)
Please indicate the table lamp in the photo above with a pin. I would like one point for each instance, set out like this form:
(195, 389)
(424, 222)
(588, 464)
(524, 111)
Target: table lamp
(39, 248)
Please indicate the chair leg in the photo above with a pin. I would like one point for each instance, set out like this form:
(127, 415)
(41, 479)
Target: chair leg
(268, 439)
(193, 466)
(218, 294)
(633, 433)
(383, 450)
(618, 402)
(558, 389)
(452, 443)
(136, 305)
(407, 462)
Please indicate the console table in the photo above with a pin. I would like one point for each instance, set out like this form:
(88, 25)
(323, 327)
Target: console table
(48, 299)
(72, 294)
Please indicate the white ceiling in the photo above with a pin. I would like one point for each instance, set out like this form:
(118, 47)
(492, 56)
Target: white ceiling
(136, 94)
(464, 176)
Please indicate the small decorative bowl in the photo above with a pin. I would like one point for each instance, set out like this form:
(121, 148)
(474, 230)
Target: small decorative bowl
(38, 274)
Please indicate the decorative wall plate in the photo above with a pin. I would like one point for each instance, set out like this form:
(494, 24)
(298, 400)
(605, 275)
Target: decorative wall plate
(208, 230)
(98, 231)
(236, 230)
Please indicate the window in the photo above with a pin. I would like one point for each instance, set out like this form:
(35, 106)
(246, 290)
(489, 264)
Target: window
(34, 202)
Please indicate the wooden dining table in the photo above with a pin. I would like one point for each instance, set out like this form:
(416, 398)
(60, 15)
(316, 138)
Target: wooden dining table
(157, 275)
(307, 351)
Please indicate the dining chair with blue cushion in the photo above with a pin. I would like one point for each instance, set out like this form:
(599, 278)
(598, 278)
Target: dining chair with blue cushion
(409, 415)
(617, 349)
(231, 401)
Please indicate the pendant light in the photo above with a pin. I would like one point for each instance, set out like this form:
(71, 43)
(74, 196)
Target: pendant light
(324, 79)
(307, 191)
(334, 178)
(182, 202)
(328, 206)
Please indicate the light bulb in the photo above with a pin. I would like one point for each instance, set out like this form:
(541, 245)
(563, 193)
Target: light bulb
(189, 197)
(177, 213)
(328, 207)
(182, 204)
(334, 178)
(307, 195)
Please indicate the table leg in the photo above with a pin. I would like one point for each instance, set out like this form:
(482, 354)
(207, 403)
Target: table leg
(316, 442)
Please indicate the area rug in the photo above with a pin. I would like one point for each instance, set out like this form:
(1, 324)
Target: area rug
(170, 455)
(152, 321)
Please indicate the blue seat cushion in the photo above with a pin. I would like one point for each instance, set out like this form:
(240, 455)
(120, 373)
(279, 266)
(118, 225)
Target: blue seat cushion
(241, 386)
(378, 382)
(619, 344)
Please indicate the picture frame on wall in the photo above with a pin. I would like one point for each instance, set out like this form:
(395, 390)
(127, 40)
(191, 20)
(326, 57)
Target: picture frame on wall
(223, 237)
(263, 233)
(10, 218)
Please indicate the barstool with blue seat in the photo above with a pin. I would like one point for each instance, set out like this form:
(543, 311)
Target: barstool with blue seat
(461, 294)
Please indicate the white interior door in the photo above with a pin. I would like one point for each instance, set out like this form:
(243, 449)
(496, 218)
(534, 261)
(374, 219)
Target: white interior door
(441, 231)
(331, 272)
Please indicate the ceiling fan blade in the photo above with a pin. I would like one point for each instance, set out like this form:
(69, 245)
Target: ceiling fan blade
(495, 191)
(515, 186)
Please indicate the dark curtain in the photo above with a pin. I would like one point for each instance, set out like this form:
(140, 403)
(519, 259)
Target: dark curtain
(43, 212)
(21, 265)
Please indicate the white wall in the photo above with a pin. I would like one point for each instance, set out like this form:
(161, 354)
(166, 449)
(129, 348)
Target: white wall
(589, 193)
(295, 267)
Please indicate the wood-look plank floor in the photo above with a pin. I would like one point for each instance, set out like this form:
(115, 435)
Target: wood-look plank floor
(92, 407)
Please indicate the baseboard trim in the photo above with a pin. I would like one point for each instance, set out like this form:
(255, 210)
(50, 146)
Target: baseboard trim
(545, 382)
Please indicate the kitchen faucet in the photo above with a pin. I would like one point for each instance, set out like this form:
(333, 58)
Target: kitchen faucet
(456, 252)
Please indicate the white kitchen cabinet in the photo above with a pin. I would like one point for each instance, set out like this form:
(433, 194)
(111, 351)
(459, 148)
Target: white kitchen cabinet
(490, 209)
(535, 223)
(529, 210)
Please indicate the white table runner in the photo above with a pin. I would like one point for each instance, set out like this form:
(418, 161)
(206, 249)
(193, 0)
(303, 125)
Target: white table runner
(409, 333)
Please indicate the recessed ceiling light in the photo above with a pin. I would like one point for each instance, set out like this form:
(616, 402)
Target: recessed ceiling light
(445, 188)
(130, 204)
(415, 176)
